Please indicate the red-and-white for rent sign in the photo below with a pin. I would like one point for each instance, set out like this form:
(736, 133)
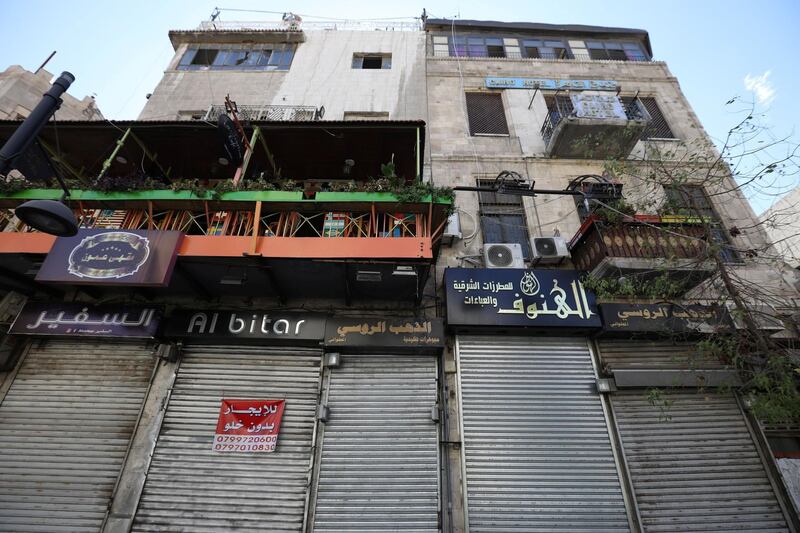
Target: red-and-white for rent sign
(248, 425)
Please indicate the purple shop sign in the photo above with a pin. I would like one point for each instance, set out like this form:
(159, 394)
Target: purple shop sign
(73, 319)
(112, 257)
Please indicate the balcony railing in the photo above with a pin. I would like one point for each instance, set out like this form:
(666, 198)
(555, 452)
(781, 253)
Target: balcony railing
(562, 108)
(568, 56)
(269, 112)
(340, 25)
(641, 237)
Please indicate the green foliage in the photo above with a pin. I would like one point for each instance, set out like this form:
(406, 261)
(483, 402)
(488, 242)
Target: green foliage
(660, 287)
(10, 185)
(659, 399)
(615, 211)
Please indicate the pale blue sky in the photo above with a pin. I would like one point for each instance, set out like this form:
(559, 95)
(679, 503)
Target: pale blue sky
(118, 49)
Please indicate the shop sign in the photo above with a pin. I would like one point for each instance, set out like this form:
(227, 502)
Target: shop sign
(83, 320)
(245, 325)
(518, 297)
(250, 426)
(550, 85)
(664, 318)
(372, 332)
(109, 257)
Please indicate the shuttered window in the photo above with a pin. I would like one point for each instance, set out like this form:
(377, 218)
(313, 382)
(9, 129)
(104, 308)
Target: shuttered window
(503, 218)
(486, 114)
(658, 127)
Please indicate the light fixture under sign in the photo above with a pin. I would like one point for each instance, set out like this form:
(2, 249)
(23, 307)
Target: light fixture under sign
(368, 275)
(404, 270)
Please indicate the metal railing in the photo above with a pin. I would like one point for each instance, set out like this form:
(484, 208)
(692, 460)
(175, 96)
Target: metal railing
(569, 56)
(269, 112)
(634, 110)
(636, 240)
(340, 25)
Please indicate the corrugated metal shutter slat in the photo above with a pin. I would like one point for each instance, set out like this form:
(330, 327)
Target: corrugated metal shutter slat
(189, 487)
(65, 424)
(694, 465)
(379, 465)
(537, 451)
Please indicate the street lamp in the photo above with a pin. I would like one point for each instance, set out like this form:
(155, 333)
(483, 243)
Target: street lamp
(49, 216)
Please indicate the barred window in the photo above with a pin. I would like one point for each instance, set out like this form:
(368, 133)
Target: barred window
(486, 114)
(503, 217)
(658, 127)
(692, 200)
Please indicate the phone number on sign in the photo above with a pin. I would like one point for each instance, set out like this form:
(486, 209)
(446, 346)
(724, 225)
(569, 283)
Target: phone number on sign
(245, 443)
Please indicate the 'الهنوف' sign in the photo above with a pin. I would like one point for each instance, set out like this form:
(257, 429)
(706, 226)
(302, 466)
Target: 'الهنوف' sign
(111, 257)
(518, 297)
(250, 426)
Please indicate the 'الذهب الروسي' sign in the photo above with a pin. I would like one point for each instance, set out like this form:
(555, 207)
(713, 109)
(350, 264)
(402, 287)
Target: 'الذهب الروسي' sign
(484, 297)
(371, 332)
(83, 320)
(249, 426)
(664, 318)
(112, 257)
(544, 84)
(245, 326)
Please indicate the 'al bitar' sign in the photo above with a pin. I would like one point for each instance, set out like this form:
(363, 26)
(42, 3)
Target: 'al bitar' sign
(518, 297)
(112, 257)
(248, 426)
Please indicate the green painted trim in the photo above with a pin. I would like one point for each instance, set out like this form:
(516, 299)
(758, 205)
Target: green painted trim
(233, 196)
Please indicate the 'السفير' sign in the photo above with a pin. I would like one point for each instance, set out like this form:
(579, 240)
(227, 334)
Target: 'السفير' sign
(518, 297)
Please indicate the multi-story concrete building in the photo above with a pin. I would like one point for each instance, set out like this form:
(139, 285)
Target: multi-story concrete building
(303, 265)
(21, 90)
(782, 224)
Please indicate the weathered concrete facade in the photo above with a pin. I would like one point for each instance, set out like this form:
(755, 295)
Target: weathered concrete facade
(21, 90)
(321, 74)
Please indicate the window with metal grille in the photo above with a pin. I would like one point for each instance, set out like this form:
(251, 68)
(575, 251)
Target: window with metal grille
(658, 127)
(503, 217)
(486, 114)
(691, 200)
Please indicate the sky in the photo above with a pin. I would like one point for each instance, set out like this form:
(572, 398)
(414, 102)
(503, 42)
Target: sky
(718, 50)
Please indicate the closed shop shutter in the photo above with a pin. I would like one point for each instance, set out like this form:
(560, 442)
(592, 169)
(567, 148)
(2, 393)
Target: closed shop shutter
(190, 487)
(379, 464)
(694, 465)
(65, 425)
(626, 354)
(537, 452)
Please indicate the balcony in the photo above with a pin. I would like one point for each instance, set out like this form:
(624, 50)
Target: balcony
(592, 126)
(645, 246)
(334, 232)
(269, 112)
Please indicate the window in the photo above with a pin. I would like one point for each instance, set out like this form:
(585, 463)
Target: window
(617, 51)
(541, 49)
(658, 127)
(278, 57)
(503, 218)
(691, 200)
(372, 61)
(486, 114)
(477, 46)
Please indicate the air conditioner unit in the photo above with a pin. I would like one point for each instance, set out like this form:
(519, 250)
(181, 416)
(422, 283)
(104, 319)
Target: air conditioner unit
(503, 255)
(548, 250)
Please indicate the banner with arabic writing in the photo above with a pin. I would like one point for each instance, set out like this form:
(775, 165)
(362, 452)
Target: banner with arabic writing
(518, 297)
(250, 426)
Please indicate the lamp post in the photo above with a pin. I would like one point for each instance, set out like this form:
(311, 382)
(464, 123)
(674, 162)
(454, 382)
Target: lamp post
(49, 216)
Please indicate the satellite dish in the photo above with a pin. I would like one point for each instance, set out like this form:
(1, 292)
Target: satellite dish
(320, 113)
(231, 140)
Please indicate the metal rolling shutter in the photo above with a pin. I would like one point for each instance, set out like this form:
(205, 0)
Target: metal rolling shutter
(189, 487)
(379, 465)
(65, 425)
(623, 354)
(698, 470)
(536, 447)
